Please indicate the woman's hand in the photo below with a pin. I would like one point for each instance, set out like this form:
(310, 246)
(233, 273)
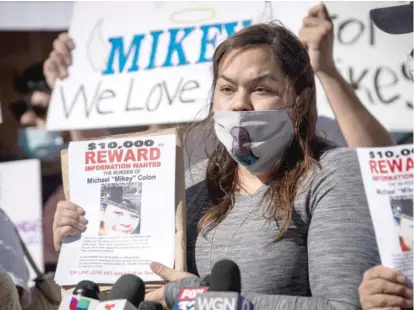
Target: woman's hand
(60, 58)
(167, 274)
(68, 221)
(317, 35)
(384, 288)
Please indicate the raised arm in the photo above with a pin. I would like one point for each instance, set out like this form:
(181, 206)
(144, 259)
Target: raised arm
(358, 126)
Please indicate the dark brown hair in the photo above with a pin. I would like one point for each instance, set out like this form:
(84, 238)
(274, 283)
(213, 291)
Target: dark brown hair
(299, 157)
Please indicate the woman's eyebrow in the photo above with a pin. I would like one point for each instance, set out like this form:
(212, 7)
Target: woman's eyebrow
(256, 79)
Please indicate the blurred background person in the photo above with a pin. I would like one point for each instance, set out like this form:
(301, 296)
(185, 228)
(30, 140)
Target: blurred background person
(35, 141)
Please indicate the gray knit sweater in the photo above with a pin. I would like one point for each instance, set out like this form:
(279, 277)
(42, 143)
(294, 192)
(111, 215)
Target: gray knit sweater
(319, 263)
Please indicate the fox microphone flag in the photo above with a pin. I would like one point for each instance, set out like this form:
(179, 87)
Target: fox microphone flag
(186, 298)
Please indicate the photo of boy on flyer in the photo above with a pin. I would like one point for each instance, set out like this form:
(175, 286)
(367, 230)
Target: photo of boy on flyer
(402, 209)
(120, 209)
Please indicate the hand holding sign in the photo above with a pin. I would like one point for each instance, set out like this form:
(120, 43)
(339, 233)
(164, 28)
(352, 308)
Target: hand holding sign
(384, 288)
(68, 221)
(60, 58)
(317, 35)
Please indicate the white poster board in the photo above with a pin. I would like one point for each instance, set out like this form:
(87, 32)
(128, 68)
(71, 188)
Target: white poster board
(127, 69)
(21, 199)
(139, 63)
(374, 62)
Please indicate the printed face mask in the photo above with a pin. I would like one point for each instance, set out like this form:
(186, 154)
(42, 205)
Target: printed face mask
(40, 143)
(255, 139)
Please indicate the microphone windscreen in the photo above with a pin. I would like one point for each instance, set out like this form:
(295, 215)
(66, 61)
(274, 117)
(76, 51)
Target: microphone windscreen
(128, 287)
(87, 289)
(225, 277)
(149, 305)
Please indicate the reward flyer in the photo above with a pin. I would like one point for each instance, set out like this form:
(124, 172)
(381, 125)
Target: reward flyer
(127, 188)
(388, 175)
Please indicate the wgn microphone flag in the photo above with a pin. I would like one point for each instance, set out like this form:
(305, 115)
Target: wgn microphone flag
(126, 294)
(85, 296)
(224, 289)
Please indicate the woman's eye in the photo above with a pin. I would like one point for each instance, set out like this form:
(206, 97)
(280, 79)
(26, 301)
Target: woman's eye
(262, 90)
(226, 89)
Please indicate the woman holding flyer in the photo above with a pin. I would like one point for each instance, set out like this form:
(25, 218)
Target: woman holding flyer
(285, 205)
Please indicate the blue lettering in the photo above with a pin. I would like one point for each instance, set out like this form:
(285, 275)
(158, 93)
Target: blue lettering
(205, 40)
(120, 53)
(231, 27)
(155, 38)
(175, 46)
(247, 23)
(117, 47)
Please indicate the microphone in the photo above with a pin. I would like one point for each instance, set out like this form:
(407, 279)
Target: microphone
(149, 305)
(206, 280)
(225, 288)
(225, 277)
(126, 294)
(85, 296)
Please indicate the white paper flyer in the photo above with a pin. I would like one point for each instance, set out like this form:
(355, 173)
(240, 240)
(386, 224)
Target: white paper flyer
(388, 174)
(127, 188)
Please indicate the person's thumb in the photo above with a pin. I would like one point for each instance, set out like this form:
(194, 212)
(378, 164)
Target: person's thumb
(167, 273)
(163, 271)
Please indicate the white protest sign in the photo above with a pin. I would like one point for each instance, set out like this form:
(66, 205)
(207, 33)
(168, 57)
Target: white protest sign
(159, 69)
(138, 63)
(20, 198)
(374, 62)
(371, 60)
